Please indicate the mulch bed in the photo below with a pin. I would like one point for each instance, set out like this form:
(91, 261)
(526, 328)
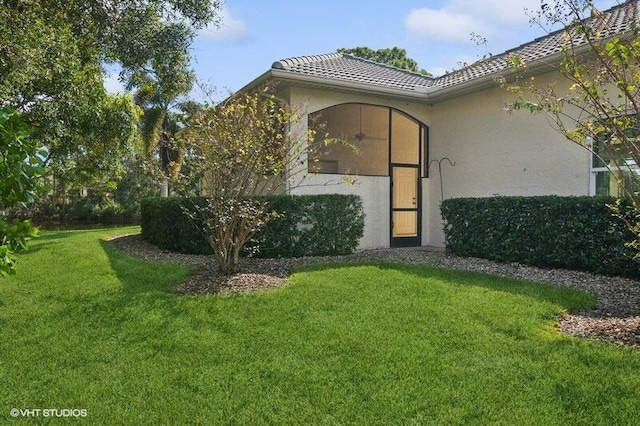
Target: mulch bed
(615, 318)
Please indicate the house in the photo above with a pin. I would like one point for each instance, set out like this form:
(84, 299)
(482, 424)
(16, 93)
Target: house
(420, 139)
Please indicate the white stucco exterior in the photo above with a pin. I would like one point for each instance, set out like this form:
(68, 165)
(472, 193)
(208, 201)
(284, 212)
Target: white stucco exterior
(495, 153)
(498, 153)
(374, 190)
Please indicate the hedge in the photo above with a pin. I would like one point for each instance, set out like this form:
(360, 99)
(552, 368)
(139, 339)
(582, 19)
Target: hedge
(165, 225)
(547, 231)
(309, 225)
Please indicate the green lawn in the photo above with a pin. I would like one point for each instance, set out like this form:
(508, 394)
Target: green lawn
(87, 327)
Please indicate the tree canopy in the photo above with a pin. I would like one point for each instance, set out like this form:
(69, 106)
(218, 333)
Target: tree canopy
(51, 67)
(54, 110)
(20, 166)
(394, 56)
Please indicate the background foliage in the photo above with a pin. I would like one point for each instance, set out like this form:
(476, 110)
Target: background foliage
(308, 225)
(549, 231)
(53, 58)
(395, 56)
(106, 203)
(20, 169)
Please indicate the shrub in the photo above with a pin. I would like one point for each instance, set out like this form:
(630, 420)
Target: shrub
(312, 225)
(308, 225)
(165, 224)
(549, 231)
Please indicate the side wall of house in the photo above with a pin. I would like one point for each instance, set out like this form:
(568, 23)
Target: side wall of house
(497, 153)
(374, 190)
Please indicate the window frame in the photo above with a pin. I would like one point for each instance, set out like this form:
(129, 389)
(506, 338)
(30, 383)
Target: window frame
(422, 140)
(609, 168)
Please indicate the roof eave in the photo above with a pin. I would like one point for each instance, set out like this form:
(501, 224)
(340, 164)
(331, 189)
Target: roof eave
(262, 78)
(343, 86)
(534, 68)
(429, 95)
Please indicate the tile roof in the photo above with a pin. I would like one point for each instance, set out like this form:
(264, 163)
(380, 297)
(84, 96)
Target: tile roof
(616, 20)
(351, 69)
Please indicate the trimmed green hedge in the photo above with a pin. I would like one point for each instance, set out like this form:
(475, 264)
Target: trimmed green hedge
(165, 225)
(309, 225)
(549, 231)
(313, 225)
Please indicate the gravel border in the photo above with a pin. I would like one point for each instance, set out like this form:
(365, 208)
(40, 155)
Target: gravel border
(615, 318)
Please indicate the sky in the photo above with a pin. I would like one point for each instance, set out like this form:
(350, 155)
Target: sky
(436, 34)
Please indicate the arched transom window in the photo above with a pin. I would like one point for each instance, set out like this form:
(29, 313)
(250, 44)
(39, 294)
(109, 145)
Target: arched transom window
(364, 139)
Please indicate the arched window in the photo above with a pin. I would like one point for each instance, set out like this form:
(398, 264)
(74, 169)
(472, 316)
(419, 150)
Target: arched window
(364, 139)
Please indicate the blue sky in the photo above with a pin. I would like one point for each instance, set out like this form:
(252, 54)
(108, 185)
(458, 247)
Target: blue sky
(437, 34)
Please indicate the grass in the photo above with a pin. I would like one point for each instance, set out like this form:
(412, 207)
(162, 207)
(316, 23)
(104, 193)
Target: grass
(87, 327)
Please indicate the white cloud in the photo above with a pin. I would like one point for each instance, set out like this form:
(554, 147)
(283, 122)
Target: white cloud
(230, 29)
(443, 24)
(442, 35)
(499, 14)
(457, 19)
(496, 12)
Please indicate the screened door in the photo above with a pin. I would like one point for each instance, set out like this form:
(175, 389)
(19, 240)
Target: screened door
(407, 140)
(405, 206)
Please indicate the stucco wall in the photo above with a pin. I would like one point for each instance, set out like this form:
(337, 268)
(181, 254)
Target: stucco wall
(375, 191)
(497, 153)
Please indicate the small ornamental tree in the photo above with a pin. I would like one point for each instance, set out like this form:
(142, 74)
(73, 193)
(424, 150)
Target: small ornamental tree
(600, 110)
(244, 147)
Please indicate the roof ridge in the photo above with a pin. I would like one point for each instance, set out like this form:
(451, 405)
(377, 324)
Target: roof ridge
(393, 67)
(298, 60)
(554, 33)
(308, 59)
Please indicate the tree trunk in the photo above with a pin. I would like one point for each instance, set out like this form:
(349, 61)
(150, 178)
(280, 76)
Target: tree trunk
(228, 264)
(164, 187)
(227, 259)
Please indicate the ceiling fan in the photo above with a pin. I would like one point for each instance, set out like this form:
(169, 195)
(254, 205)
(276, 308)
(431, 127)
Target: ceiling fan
(360, 136)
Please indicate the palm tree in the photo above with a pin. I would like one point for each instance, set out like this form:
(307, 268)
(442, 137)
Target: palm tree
(162, 119)
(161, 85)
